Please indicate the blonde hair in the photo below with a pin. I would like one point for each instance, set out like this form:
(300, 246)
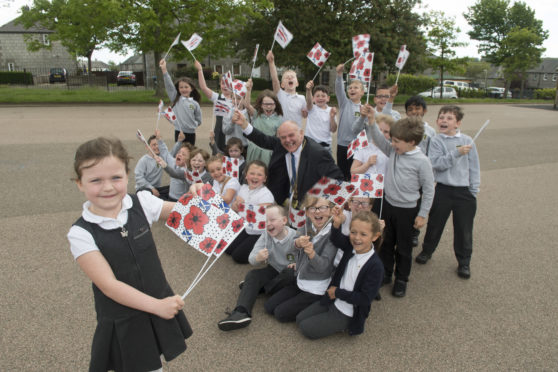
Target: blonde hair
(386, 119)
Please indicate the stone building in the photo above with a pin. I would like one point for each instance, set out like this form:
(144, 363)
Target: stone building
(14, 55)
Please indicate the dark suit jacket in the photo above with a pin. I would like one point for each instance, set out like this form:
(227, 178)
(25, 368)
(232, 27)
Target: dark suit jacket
(315, 162)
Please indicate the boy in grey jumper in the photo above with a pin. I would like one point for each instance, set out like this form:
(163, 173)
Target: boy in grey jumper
(409, 171)
(148, 173)
(275, 249)
(457, 172)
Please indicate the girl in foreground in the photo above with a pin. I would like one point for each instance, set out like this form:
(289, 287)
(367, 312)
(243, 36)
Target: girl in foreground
(346, 304)
(139, 317)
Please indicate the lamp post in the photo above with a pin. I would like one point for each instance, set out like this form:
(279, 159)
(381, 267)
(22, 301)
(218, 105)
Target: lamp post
(485, 85)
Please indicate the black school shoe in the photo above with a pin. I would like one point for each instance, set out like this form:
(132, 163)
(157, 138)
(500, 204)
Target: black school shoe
(236, 320)
(399, 288)
(423, 258)
(463, 271)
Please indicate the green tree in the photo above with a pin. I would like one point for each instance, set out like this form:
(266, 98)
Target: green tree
(152, 25)
(441, 41)
(312, 21)
(520, 50)
(80, 25)
(477, 70)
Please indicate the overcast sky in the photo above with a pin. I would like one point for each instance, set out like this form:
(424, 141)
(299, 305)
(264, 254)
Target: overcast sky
(545, 10)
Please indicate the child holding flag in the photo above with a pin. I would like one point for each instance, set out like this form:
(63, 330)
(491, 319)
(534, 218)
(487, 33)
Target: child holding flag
(293, 104)
(321, 120)
(275, 250)
(139, 317)
(185, 100)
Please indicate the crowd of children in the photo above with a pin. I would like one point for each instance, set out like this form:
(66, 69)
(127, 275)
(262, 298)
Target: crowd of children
(323, 276)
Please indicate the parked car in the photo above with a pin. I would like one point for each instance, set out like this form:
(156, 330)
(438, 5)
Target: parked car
(457, 84)
(448, 92)
(126, 77)
(497, 92)
(57, 74)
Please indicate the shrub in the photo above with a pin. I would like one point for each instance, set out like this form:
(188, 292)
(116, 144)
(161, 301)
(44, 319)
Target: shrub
(470, 93)
(547, 93)
(410, 84)
(16, 77)
(258, 83)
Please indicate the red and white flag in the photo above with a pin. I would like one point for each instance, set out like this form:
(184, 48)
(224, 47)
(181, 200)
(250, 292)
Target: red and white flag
(140, 136)
(237, 224)
(239, 88)
(333, 190)
(368, 185)
(360, 142)
(282, 35)
(361, 68)
(318, 55)
(254, 215)
(221, 108)
(231, 166)
(297, 218)
(193, 42)
(361, 44)
(193, 176)
(402, 57)
(256, 53)
(169, 115)
(228, 80)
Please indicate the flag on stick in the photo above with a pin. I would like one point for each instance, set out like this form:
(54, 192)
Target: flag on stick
(361, 44)
(297, 218)
(140, 136)
(360, 142)
(401, 59)
(368, 185)
(318, 55)
(159, 113)
(361, 69)
(192, 43)
(175, 42)
(231, 167)
(333, 190)
(254, 59)
(282, 36)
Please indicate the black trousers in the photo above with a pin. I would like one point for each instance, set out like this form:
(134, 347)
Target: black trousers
(463, 204)
(398, 240)
(189, 137)
(343, 163)
(241, 247)
(288, 302)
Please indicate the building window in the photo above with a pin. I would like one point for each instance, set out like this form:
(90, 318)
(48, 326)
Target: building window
(534, 77)
(46, 40)
(219, 69)
(545, 77)
(236, 69)
(11, 66)
(554, 77)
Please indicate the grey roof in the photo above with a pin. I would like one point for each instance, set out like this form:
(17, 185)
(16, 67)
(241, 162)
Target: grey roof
(13, 27)
(133, 60)
(548, 65)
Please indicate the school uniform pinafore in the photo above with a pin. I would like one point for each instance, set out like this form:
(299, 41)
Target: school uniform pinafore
(127, 339)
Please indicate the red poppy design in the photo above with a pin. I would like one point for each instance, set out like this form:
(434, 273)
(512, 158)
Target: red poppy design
(291, 217)
(206, 192)
(195, 220)
(229, 166)
(326, 55)
(207, 245)
(237, 225)
(301, 213)
(173, 117)
(360, 65)
(354, 178)
(366, 72)
(241, 207)
(224, 169)
(185, 199)
(369, 57)
(222, 244)
(320, 64)
(174, 220)
(356, 143)
(189, 176)
(350, 188)
(301, 224)
(223, 221)
(352, 69)
(380, 178)
(364, 143)
(251, 216)
(318, 54)
(310, 53)
(366, 185)
(261, 210)
(379, 193)
(235, 174)
(261, 225)
(339, 200)
(332, 189)
(235, 161)
(323, 181)
(315, 191)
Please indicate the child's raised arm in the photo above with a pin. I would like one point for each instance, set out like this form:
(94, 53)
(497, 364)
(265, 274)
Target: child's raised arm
(201, 80)
(333, 120)
(309, 98)
(273, 72)
(99, 271)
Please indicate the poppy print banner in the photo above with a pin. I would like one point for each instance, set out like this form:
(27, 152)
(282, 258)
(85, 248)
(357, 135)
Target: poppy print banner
(198, 223)
(297, 218)
(333, 190)
(254, 215)
(231, 166)
(239, 88)
(368, 185)
(361, 69)
(361, 44)
(360, 142)
(318, 55)
(169, 115)
(402, 57)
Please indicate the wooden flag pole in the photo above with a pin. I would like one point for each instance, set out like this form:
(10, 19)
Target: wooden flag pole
(397, 78)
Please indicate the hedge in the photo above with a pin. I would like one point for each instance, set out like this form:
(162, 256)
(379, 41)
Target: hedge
(410, 84)
(547, 93)
(16, 77)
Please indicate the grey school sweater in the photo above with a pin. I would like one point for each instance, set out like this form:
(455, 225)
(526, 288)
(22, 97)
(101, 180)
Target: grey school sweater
(187, 111)
(177, 187)
(450, 167)
(148, 173)
(349, 111)
(281, 253)
(406, 175)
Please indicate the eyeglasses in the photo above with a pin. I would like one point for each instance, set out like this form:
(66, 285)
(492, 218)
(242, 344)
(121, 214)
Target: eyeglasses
(323, 208)
(360, 204)
(386, 96)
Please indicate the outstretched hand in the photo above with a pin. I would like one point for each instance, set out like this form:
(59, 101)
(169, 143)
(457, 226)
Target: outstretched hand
(168, 307)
